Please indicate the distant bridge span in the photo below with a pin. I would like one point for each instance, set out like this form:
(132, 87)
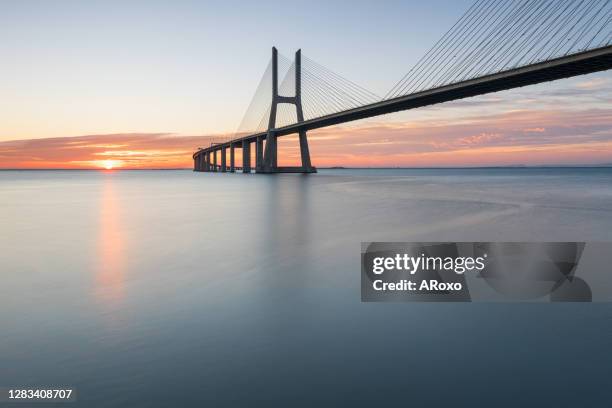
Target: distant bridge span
(205, 159)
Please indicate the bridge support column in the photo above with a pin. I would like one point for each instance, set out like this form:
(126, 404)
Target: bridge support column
(223, 166)
(270, 160)
(259, 154)
(207, 166)
(214, 153)
(232, 161)
(270, 156)
(246, 156)
(304, 151)
(305, 154)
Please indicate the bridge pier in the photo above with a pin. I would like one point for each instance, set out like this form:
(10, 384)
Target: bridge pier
(207, 166)
(232, 164)
(305, 153)
(270, 160)
(259, 154)
(223, 167)
(246, 156)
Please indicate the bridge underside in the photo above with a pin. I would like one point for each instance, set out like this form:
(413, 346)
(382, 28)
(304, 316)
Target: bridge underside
(587, 62)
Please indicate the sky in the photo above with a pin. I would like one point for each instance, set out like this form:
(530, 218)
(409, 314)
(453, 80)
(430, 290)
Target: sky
(142, 84)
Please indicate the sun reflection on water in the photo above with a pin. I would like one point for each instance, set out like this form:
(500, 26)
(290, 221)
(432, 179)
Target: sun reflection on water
(110, 268)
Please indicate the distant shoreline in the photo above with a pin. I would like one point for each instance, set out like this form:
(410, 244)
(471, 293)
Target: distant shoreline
(552, 166)
(594, 166)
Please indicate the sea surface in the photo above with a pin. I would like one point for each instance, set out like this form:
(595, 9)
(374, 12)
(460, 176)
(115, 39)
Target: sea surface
(182, 289)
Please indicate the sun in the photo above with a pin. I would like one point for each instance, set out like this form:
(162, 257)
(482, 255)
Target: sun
(109, 164)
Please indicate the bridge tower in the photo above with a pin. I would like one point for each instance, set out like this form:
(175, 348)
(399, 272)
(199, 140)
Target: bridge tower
(268, 161)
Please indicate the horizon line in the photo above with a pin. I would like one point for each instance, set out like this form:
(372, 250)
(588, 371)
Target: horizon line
(516, 166)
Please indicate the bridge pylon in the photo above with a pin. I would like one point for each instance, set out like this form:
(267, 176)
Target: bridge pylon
(268, 162)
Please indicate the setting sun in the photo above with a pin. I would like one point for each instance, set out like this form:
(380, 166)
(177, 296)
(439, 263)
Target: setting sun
(109, 164)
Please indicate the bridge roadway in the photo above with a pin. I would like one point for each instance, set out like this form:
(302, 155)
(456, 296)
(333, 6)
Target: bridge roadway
(599, 59)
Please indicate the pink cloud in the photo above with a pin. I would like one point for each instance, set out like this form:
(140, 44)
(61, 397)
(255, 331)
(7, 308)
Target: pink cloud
(516, 137)
(131, 150)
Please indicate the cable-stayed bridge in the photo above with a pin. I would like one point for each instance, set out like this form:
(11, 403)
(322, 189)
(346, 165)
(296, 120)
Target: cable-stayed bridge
(496, 45)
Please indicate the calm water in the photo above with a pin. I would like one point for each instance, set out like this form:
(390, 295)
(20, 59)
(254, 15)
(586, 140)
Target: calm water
(174, 288)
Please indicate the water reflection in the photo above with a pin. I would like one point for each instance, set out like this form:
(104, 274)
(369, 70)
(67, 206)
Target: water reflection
(110, 266)
(286, 225)
(287, 262)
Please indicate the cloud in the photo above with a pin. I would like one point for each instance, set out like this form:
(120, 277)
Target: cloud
(514, 137)
(130, 150)
(517, 137)
(593, 83)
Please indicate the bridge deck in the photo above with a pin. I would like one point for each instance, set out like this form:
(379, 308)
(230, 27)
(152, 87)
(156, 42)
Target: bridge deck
(586, 62)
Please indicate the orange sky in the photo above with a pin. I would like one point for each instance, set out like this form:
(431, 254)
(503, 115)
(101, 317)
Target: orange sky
(517, 137)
